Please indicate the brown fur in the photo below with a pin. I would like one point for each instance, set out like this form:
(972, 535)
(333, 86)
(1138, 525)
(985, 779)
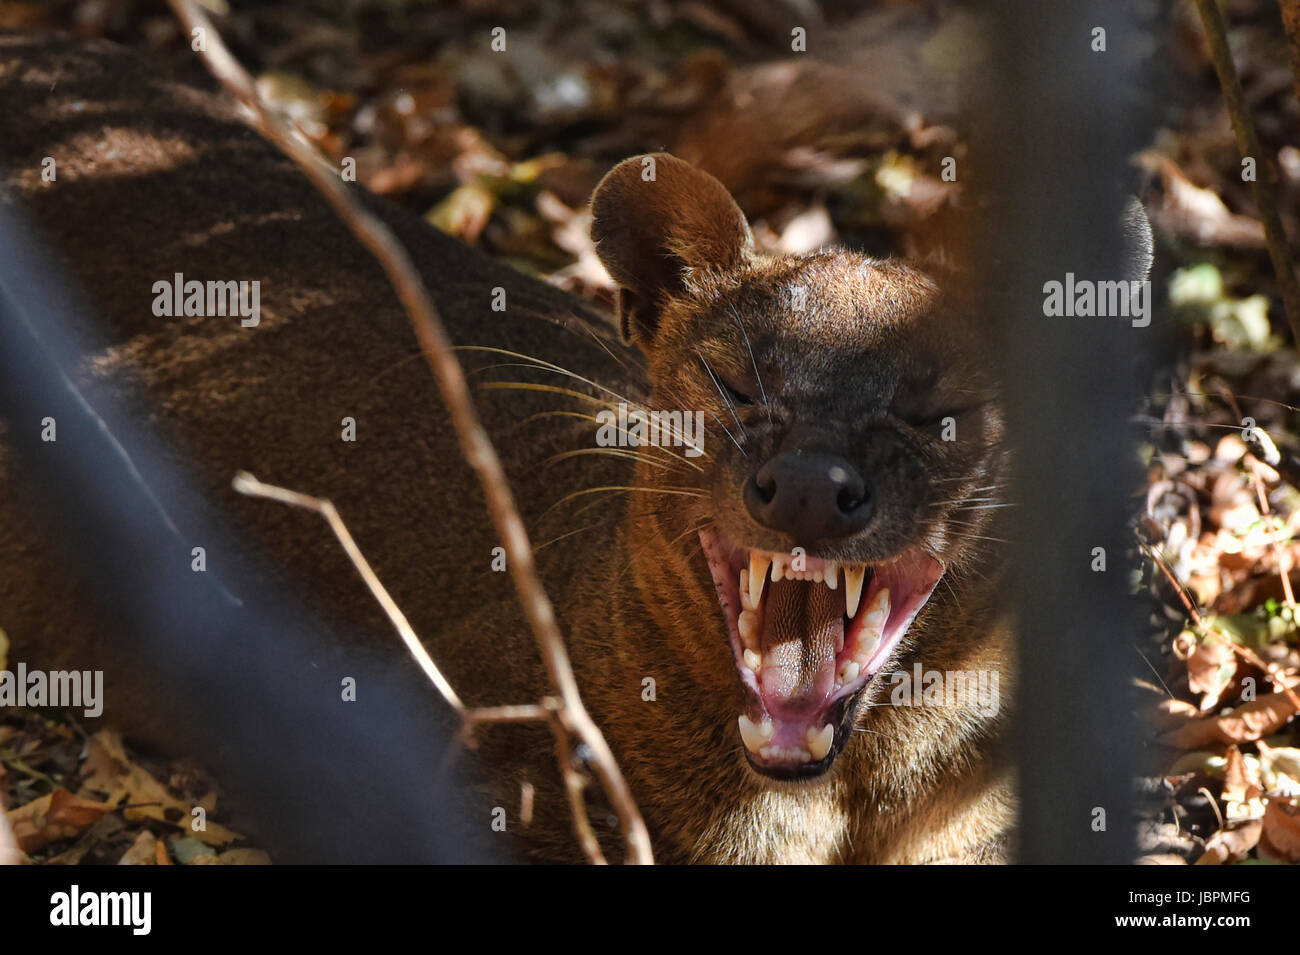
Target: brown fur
(156, 179)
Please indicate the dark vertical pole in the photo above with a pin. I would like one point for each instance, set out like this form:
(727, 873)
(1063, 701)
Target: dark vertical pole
(1057, 127)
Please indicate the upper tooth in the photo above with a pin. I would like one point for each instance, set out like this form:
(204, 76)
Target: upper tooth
(868, 643)
(758, 565)
(754, 736)
(853, 588)
(878, 609)
(849, 671)
(777, 567)
(819, 741)
(831, 574)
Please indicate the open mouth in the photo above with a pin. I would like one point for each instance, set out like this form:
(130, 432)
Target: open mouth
(808, 635)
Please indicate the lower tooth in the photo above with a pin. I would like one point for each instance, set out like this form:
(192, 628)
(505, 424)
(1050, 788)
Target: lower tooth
(753, 735)
(753, 660)
(789, 753)
(819, 741)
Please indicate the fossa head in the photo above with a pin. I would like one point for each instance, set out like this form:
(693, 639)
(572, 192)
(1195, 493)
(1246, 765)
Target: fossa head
(852, 450)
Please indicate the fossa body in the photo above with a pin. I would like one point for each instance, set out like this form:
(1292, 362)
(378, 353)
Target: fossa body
(851, 437)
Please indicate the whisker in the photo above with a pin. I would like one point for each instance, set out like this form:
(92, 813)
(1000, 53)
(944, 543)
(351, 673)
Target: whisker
(396, 365)
(556, 540)
(623, 453)
(682, 491)
(691, 530)
(961, 535)
(570, 393)
(596, 338)
(536, 386)
(729, 434)
(754, 362)
(725, 397)
(549, 366)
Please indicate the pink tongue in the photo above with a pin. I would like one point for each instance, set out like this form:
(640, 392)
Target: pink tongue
(803, 626)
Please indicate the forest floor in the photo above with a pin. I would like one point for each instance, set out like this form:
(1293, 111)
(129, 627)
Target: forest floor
(503, 152)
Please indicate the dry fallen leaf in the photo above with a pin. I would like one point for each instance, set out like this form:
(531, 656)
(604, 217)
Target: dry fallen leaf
(1279, 768)
(59, 815)
(1242, 795)
(1280, 838)
(1243, 724)
(110, 771)
(1231, 845)
(1170, 713)
(144, 851)
(1210, 668)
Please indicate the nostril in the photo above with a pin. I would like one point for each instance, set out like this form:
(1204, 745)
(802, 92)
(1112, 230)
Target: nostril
(810, 495)
(851, 493)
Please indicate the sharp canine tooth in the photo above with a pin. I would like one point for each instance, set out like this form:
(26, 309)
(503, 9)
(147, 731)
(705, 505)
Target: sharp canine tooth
(747, 624)
(819, 741)
(755, 736)
(753, 660)
(878, 611)
(853, 588)
(758, 565)
(831, 575)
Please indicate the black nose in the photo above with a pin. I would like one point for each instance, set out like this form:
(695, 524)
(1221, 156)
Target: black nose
(809, 495)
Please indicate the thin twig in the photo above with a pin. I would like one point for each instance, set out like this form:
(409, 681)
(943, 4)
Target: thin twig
(245, 483)
(1271, 670)
(548, 711)
(475, 444)
(1253, 441)
(1266, 174)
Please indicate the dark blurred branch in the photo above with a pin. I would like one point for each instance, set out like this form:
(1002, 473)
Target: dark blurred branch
(1266, 175)
(1291, 23)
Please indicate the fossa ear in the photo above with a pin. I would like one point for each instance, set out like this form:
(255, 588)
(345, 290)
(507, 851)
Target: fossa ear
(655, 219)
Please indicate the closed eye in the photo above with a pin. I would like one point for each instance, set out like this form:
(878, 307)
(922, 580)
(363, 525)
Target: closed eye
(936, 414)
(729, 391)
(738, 397)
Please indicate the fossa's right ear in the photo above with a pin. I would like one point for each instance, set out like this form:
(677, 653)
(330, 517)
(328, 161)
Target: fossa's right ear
(656, 219)
(1139, 243)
